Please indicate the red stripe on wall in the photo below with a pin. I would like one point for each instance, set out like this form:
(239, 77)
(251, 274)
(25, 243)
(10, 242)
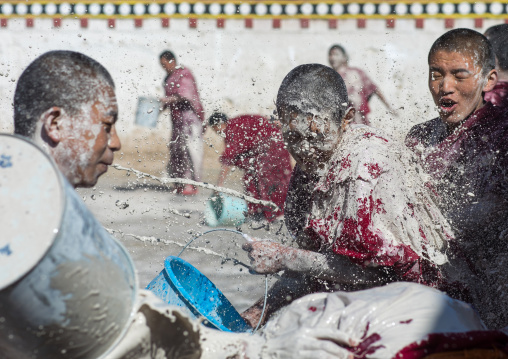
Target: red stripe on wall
(449, 23)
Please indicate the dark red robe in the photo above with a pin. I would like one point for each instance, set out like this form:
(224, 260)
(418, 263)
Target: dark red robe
(499, 95)
(470, 168)
(186, 145)
(256, 146)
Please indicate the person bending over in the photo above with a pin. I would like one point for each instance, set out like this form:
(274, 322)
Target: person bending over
(255, 146)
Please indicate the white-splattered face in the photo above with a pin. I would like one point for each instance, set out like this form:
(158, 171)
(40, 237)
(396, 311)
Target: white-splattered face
(311, 139)
(456, 84)
(89, 140)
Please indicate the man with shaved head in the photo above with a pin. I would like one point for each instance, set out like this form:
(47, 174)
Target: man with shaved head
(65, 102)
(357, 206)
(498, 37)
(465, 149)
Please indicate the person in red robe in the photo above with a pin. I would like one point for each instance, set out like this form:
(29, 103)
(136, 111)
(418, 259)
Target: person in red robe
(360, 88)
(256, 146)
(465, 150)
(498, 37)
(187, 116)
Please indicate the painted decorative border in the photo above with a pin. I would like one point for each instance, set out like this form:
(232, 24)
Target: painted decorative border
(255, 9)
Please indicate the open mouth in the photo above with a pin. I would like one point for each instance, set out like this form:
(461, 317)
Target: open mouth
(447, 105)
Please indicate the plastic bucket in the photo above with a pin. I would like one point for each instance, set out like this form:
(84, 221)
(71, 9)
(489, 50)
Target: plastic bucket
(224, 210)
(147, 112)
(182, 285)
(67, 288)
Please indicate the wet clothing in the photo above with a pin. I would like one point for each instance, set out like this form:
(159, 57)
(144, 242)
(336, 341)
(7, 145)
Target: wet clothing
(370, 205)
(470, 169)
(256, 146)
(360, 89)
(186, 146)
(499, 95)
(396, 321)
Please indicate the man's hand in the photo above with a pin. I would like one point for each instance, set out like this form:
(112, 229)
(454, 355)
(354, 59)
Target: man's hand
(252, 315)
(267, 257)
(170, 100)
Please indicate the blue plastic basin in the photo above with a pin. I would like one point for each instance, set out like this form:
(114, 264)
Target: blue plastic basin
(182, 285)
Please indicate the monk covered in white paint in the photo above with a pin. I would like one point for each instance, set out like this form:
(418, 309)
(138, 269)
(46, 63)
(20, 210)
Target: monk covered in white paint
(65, 102)
(357, 206)
(82, 140)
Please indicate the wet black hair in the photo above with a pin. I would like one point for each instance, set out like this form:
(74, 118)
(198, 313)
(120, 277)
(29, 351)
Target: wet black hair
(498, 37)
(65, 79)
(337, 47)
(467, 41)
(167, 55)
(217, 118)
(314, 87)
(340, 48)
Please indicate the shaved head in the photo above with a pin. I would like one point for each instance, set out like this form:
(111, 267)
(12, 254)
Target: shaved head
(311, 106)
(66, 79)
(498, 37)
(314, 89)
(467, 42)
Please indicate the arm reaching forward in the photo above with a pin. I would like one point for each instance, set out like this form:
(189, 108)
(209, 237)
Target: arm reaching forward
(270, 257)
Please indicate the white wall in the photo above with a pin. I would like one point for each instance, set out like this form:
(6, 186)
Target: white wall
(235, 64)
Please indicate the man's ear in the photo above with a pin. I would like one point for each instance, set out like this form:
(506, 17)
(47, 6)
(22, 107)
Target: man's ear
(348, 117)
(52, 123)
(491, 81)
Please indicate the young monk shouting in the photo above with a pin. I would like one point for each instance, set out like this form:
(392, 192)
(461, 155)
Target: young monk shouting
(357, 206)
(465, 150)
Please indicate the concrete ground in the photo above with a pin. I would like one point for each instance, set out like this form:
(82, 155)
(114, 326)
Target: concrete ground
(139, 212)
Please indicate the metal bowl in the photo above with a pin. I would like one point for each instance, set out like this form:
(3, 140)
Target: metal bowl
(67, 288)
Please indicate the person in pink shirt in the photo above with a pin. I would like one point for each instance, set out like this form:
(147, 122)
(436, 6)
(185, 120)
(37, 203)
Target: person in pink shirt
(186, 145)
(498, 37)
(360, 88)
(256, 146)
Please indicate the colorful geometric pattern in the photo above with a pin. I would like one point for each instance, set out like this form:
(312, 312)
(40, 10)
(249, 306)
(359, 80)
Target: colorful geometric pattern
(255, 9)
